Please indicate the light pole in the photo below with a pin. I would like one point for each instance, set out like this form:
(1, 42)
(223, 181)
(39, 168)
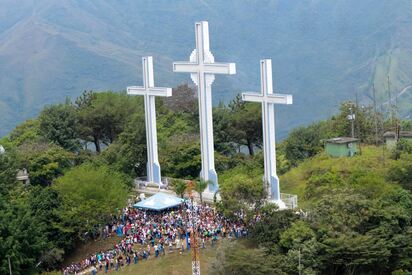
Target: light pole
(9, 266)
(351, 117)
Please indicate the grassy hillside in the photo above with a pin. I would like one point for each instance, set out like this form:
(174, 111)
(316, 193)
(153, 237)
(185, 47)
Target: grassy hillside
(322, 51)
(373, 163)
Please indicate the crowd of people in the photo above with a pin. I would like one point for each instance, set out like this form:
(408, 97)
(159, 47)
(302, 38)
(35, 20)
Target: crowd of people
(151, 234)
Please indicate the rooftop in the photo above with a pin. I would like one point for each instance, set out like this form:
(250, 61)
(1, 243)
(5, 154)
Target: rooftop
(342, 140)
(159, 202)
(402, 134)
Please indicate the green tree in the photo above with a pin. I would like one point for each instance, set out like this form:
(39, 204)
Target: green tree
(181, 158)
(26, 132)
(406, 125)
(236, 258)
(58, 125)
(305, 142)
(44, 205)
(103, 116)
(268, 230)
(179, 186)
(225, 142)
(245, 124)
(402, 147)
(45, 162)
(90, 195)
(200, 187)
(241, 189)
(128, 153)
(8, 170)
(401, 171)
(184, 100)
(22, 237)
(361, 235)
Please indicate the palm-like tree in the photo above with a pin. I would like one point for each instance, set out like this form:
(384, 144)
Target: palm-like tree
(200, 187)
(179, 186)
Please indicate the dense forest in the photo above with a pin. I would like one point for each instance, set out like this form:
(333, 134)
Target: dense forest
(82, 156)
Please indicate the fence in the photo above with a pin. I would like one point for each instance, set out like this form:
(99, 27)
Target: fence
(291, 201)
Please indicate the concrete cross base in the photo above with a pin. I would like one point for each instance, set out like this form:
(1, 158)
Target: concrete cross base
(281, 204)
(209, 197)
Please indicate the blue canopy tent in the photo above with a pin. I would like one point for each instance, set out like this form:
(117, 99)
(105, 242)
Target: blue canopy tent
(159, 201)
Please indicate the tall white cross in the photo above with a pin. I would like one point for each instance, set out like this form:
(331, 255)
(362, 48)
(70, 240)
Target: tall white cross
(149, 91)
(268, 100)
(202, 67)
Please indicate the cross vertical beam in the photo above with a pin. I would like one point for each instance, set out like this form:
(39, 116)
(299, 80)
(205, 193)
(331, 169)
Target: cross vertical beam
(202, 68)
(149, 91)
(268, 100)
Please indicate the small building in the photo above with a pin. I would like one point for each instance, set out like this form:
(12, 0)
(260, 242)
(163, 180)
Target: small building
(342, 147)
(391, 140)
(23, 176)
(2, 150)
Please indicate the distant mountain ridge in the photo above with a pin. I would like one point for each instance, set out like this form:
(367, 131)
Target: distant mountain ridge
(323, 51)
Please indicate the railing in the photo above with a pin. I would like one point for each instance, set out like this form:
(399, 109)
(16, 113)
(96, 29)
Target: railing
(291, 201)
(142, 183)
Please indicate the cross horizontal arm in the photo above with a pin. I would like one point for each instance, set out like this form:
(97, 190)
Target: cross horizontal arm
(185, 67)
(136, 90)
(271, 98)
(220, 68)
(212, 68)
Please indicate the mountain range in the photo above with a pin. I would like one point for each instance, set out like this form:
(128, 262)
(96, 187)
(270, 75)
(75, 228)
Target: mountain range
(323, 52)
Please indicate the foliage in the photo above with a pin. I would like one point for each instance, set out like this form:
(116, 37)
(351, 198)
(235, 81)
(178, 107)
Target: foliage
(8, 169)
(183, 101)
(179, 186)
(128, 153)
(58, 125)
(182, 160)
(241, 188)
(103, 116)
(22, 235)
(90, 195)
(360, 234)
(45, 162)
(345, 232)
(236, 258)
(364, 123)
(314, 177)
(222, 131)
(320, 182)
(27, 132)
(245, 125)
(200, 187)
(306, 142)
(406, 125)
(403, 146)
(401, 171)
(267, 231)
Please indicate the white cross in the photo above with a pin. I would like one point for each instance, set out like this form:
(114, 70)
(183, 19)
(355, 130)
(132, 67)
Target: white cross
(268, 99)
(150, 92)
(202, 67)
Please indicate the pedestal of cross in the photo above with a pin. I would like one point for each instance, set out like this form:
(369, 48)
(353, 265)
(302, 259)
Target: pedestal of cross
(268, 99)
(150, 92)
(202, 68)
